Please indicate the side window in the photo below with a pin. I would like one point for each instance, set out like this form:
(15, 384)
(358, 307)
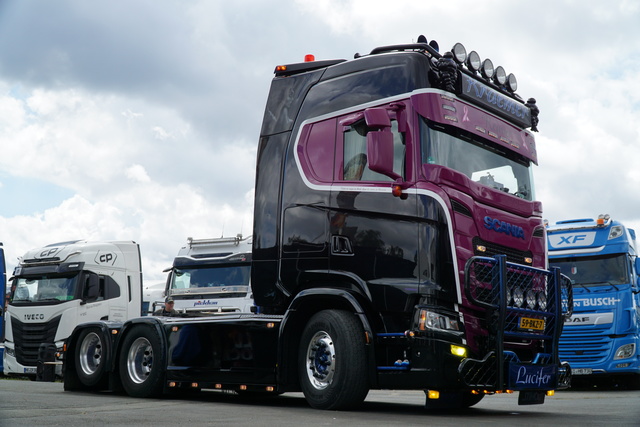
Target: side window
(111, 288)
(355, 154)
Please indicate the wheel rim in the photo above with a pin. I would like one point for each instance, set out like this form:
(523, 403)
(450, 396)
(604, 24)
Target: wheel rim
(90, 353)
(140, 360)
(321, 358)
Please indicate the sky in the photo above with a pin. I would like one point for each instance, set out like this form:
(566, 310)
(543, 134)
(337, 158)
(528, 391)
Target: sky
(139, 120)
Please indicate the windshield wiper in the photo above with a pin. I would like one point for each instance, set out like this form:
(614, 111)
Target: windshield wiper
(581, 284)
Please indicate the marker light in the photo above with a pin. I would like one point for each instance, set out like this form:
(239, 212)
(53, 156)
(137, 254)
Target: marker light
(512, 83)
(433, 394)
(473, 61)
(396, 190)
(487, 69)
(500, 76)
(459, 53)
(602, 219)
(309, 58)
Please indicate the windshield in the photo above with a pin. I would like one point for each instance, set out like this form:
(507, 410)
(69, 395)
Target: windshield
(210, 277)
(594, 270)
(44, 288)
(488, 164)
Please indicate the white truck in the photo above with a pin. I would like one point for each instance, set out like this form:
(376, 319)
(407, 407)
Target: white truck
(211, 276)
(59, 286)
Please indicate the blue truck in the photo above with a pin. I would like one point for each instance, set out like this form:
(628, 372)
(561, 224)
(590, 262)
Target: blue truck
(3, 283)
(601, 340)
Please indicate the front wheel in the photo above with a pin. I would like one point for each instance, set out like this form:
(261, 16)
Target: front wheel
(141, 362)
(332, 361)
(89, 358)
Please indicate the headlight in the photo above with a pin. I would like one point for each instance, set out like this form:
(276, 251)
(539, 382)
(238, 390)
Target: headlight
(624, 352)
(531, 299)
(518, 297)
(542, 300)
(436, 321)
(509, 296)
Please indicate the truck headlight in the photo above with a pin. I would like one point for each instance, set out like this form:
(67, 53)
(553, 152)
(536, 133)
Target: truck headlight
(518, 297)
(531, 299)
(436, 321)
(625, 351)
(542, 300)
(9, 352)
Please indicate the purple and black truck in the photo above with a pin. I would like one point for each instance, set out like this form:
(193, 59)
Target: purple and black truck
(397, 244)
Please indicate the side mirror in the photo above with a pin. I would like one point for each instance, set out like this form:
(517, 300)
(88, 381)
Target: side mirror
(380, 142)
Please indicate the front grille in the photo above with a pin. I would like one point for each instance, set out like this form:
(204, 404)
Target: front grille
(493, 249)
(584, 346)
(29, 336)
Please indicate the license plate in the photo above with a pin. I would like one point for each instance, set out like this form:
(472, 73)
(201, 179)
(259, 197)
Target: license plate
(582, 371)
(29, 370)
(531, 397)
(530, 324)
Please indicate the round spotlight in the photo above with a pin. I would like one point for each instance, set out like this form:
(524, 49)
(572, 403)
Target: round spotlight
(518, 297)
(500, 76)
(509, 296)
(542, 300)
(531, 299)
(512, 83)
(487, 69)
(459, 53)
(473, 61)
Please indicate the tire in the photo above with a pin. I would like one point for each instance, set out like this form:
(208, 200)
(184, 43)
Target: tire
(88, 357)
(453, 400)
(141, 363)
(332, 361)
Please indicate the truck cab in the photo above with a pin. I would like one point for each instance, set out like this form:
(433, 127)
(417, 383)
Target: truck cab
(58, 286)
(601, 339)
(211, 276)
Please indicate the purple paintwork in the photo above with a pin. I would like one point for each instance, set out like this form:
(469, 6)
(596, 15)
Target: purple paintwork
(452, 111)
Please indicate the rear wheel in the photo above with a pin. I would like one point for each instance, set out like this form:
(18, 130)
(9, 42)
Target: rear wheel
(141, 362)
(332, 361)
(89, 359)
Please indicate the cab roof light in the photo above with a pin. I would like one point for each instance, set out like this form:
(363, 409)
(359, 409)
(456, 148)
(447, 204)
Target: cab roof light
(487, 69)
(500, 76)
(473, 61)
(309, 58)
(512, 83)
(603, 219)
(459, 53)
